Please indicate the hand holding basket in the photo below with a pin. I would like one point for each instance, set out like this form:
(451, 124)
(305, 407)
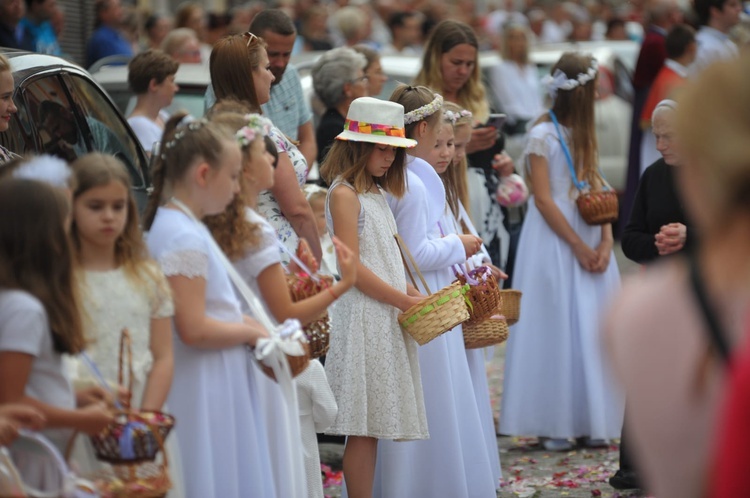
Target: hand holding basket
(438, 312)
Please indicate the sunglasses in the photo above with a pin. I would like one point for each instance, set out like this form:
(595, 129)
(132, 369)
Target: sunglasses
(251, 38)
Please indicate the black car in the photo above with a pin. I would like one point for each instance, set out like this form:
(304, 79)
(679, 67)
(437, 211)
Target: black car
(64, 112)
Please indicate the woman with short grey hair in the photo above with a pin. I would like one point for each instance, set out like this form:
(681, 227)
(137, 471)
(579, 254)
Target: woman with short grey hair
(338, 78)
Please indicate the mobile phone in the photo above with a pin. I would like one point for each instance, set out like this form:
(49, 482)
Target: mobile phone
(497, 120)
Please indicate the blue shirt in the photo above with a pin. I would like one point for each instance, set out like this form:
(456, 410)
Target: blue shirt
(287, 108)
(104, 42)
(39, 38)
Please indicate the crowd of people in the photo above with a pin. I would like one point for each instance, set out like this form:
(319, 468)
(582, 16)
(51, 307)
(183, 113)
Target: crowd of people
(198, 279)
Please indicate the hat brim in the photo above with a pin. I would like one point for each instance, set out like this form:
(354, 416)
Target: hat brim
(354, 136)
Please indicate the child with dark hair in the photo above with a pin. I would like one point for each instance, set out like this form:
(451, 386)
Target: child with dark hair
(717, 17)
(151, 77)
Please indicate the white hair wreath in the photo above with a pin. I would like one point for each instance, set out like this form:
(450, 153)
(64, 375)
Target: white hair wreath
(560, 81)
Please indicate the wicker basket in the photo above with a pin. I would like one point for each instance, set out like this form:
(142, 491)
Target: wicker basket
(301, 286)
(510, 305)
(147, 480)
(598, 208)
(489, 332)
(146, 428)
(438, 312)
(297, 364)
(484, 295)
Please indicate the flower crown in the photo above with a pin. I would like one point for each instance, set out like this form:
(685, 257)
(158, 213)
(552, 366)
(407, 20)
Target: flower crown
(560, 81)
(425, 111)
(257, 126)
(453, 116)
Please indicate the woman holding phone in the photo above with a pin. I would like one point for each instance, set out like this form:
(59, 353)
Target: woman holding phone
(450, 66)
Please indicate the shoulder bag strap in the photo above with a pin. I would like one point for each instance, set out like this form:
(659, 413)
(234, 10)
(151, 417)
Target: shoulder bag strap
(716, 334)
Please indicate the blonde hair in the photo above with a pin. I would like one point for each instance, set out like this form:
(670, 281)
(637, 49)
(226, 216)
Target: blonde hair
(455, 176)
(575, 109)
(234, 233)
(713, 123)
(446, 36)
(4, 63)
(509, 30)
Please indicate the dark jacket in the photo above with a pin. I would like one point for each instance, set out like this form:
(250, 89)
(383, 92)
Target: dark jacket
(656, 204)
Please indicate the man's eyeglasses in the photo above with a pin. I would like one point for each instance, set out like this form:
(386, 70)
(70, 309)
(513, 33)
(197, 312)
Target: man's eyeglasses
(251, 38)
(364, 79)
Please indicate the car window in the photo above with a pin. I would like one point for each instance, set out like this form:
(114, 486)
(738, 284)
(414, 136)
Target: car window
(45, 94)
(108, 130)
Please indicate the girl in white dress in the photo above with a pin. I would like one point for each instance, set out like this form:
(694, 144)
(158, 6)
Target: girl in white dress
(372, 364)
(39, 321)
(220, 427)
(450, 164)
(557, 382)
(251, 244)
(122, 288)
(454, 461)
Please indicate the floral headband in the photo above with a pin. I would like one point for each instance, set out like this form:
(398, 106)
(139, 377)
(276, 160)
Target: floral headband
(453, 116)
(425, 111)
(192, 125)
(560, 81)
(257, 126)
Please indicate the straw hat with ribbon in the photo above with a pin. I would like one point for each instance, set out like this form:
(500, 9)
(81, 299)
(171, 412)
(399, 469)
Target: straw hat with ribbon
(376, 121)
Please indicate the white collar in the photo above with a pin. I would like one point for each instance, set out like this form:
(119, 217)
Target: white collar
(676, 67)
(714, 33)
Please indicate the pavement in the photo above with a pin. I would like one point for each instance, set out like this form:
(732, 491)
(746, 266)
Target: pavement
(528, 470)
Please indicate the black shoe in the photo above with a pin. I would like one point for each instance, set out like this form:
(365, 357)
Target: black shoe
(625, 479)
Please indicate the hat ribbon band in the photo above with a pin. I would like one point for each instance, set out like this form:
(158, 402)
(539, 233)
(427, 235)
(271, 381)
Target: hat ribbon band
(374, 129)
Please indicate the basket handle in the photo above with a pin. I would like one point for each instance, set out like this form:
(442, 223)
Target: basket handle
(60, 462)
(297, 260)
(405, 253)
(126, 348)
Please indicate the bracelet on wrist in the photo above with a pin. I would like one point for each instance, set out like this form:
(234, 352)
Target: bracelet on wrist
(329, 289)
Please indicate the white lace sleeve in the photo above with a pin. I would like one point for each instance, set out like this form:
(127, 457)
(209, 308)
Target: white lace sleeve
(190, 263)
(537, 146)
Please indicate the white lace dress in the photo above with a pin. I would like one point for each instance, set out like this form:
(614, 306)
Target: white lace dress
(372, 363)
(269, 208)
(223, 442)
(113, 301)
